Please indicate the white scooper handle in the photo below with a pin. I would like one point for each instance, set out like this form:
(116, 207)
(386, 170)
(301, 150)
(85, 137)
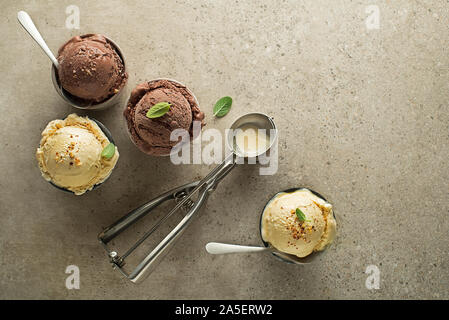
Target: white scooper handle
(26, 22)
(224, 248)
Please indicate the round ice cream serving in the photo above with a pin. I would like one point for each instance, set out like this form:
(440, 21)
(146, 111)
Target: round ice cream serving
(90, 68)
(69, 154)
(152, 136)
(284, 230)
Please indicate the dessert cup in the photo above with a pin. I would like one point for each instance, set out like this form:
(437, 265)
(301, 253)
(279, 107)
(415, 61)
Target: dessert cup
(109, 136)
(282, 256)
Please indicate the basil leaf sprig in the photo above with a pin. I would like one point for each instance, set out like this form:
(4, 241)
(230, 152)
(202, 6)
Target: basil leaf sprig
(158, 110)
(222, 107)
(108, 151)
(301, 216)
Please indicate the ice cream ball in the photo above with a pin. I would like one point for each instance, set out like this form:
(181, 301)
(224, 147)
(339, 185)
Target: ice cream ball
(90, 68)
(70, 154)
(301, 232)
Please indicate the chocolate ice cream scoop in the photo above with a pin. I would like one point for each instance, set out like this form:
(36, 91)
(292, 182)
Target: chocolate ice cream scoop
(152, 136)
(90, 68)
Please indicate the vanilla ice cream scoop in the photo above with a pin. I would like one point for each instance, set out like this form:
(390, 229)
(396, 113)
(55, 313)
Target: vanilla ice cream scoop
(298, 223)
(70, 154)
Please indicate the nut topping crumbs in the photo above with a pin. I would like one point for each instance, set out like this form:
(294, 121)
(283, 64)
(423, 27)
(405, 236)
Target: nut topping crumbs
(299, 229)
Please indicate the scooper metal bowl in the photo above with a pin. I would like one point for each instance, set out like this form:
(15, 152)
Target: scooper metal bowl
(183, 199)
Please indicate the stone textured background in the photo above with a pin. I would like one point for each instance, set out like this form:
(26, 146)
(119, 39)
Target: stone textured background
(363, 117)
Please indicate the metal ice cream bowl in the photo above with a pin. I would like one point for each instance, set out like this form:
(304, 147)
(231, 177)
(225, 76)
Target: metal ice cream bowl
(84, 104)
(109, 136)
(285, 257)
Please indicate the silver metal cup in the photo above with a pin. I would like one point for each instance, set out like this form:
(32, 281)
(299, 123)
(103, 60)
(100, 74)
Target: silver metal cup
(81, 103)
(109, 136)
(285, 257)
(259, 120)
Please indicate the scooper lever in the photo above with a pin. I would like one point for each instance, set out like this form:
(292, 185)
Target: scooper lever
(183, 196)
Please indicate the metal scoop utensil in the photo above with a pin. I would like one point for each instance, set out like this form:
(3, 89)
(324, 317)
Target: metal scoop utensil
(183, 199)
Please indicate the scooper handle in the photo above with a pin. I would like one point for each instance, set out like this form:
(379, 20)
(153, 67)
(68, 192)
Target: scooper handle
(183, 197)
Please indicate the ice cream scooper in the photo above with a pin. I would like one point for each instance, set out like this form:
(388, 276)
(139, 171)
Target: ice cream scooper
(183, 198)
(226, 248)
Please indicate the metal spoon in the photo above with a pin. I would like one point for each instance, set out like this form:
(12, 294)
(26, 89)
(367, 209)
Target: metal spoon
(224, 248)
(26, 22)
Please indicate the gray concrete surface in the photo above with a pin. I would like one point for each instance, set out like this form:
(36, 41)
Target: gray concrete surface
(363, 117)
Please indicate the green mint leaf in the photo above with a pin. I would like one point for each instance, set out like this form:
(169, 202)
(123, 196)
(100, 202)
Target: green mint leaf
(301, 216)
(158, 110)
(108, 151)
(222, 107)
